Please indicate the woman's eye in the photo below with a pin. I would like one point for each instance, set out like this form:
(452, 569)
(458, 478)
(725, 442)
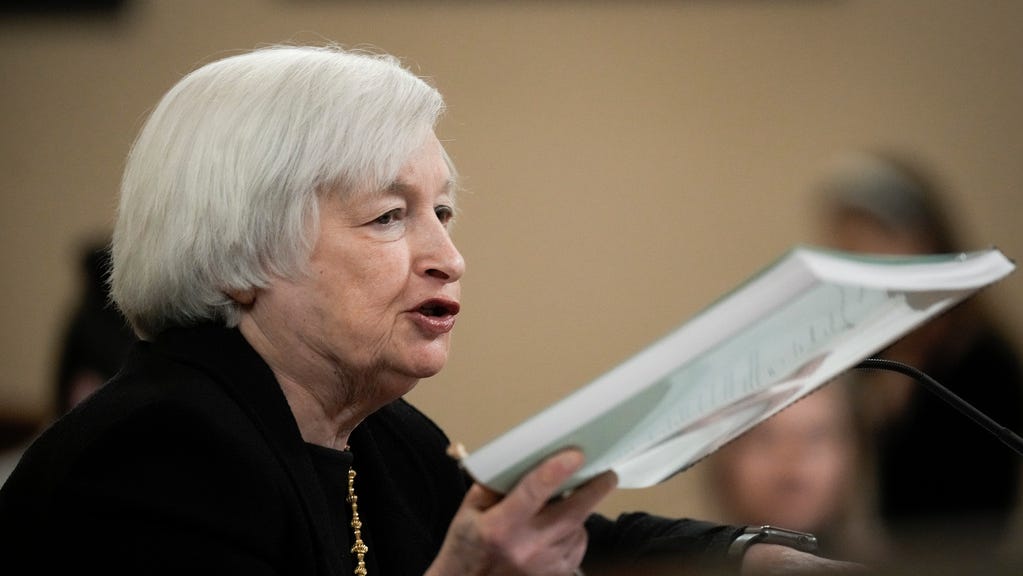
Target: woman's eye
(388, 217)
(444, 213)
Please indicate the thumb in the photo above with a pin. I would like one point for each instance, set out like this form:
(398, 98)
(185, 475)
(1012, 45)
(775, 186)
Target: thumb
(481, 498)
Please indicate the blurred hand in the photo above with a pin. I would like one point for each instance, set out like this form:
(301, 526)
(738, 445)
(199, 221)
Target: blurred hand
(771, 559)
(523, 532)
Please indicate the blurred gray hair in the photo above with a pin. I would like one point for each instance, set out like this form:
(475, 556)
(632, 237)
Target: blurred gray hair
(894, 190)
(221, 188)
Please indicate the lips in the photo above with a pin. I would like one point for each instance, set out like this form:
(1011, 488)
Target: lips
(436, 316)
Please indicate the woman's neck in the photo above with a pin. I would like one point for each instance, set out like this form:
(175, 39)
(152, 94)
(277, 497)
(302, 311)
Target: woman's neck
(327, 401)
(325, 422)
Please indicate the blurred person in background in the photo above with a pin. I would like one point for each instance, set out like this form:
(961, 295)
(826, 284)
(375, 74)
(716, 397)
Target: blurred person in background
(94, 342)
(799, 469)
(944, 485)
(97, 338)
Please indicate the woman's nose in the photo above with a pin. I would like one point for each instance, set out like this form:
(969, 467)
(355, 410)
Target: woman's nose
(441, 259)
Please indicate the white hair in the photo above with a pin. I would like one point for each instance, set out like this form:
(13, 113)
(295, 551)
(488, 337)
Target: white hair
(220, 192)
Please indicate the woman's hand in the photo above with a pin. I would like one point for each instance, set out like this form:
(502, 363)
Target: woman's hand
(772, 559)
(523, 532)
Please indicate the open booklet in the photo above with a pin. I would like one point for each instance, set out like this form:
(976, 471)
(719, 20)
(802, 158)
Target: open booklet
(786, 331)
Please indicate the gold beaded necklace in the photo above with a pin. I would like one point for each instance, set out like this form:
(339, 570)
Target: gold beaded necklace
(359, 548)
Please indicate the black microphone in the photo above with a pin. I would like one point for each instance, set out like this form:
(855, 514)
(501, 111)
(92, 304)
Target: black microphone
(1008, 437)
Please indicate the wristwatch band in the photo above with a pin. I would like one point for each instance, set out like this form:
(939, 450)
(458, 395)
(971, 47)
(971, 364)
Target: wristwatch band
(772, 535)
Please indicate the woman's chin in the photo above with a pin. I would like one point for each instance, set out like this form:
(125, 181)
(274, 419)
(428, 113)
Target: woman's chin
(428, 361)
(428, 370)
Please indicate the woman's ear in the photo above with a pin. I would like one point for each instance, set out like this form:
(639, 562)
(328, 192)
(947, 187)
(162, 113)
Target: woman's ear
(242, 297)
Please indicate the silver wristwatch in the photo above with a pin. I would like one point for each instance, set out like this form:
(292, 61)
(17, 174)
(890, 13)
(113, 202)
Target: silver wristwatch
(772, 535)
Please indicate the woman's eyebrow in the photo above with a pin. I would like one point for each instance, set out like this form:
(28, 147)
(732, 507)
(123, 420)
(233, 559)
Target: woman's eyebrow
(400, 187)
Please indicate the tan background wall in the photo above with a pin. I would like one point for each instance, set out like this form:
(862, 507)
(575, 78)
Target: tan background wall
(626, 161)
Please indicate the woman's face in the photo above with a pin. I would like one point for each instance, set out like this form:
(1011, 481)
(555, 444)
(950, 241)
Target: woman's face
(792, 470)
(382, 291)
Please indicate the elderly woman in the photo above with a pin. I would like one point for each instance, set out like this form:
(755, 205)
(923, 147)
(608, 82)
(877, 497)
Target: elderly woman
(282, 248)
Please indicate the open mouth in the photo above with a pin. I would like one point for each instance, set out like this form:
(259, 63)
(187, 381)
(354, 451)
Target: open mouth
(438, 308)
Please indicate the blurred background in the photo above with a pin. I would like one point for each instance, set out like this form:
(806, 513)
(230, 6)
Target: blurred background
(624, 162)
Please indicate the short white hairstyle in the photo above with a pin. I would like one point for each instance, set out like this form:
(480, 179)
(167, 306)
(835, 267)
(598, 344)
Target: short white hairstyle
(221, 188)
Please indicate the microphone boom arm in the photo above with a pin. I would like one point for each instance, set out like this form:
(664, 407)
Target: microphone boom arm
(1008, 437)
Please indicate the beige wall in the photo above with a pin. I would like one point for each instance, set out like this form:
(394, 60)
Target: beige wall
(626, 161)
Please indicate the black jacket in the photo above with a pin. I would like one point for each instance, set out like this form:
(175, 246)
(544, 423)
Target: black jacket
(190, 460)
